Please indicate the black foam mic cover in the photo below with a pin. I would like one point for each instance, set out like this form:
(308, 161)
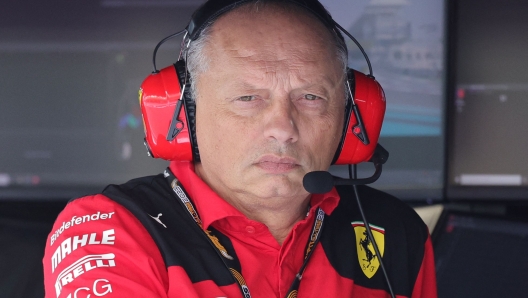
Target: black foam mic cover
(318, 182)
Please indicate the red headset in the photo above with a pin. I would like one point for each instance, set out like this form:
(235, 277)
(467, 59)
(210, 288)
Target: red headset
(169, 114)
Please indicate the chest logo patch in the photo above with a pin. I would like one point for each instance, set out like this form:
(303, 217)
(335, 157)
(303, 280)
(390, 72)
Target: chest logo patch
(368, 260)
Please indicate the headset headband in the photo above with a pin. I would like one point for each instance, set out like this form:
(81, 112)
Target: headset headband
(168, 108)
(211, 10)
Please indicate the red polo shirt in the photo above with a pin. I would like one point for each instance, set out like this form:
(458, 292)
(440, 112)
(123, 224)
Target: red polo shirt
(268, 268)
(98, 247)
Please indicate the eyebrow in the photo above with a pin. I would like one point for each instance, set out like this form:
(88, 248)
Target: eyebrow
(316, 84)
(243, 85)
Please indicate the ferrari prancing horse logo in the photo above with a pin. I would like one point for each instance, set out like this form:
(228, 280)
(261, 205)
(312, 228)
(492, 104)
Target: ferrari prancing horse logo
(368, 260)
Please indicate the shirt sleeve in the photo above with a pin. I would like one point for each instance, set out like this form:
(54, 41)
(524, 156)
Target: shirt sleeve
(425, 285)
(98, 248)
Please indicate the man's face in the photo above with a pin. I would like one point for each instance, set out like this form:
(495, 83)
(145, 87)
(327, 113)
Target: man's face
(270, 106)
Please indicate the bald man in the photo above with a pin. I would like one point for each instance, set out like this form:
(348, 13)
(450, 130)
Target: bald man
(269, 84)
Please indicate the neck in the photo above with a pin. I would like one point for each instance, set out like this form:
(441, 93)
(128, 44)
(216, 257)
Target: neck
(279, 213)
(279, 219)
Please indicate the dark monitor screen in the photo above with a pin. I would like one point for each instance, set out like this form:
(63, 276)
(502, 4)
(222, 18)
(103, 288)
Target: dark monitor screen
(488, 105)
(69, 115)
(480, 256)
(405, 42)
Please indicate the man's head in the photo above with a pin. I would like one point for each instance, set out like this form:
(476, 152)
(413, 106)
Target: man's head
(269, 84)
(197, 60)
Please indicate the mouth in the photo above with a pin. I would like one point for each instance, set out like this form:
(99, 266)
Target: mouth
(273, 164)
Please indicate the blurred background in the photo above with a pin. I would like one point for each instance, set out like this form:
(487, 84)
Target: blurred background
(455, 77)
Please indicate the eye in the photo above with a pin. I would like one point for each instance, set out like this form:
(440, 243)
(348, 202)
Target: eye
(246, 98)
(311, 97)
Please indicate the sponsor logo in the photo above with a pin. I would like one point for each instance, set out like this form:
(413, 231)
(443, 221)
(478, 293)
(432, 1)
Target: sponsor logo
(77, 221)
(368, 260)
(71, 244)
(190, 208)
(218, 245)
(242, 282)
(166, 174)
(140, 95)
(100, 288)
(293, 294)
(177, 189)
(82, 266)
(316, 230)
(158, 220)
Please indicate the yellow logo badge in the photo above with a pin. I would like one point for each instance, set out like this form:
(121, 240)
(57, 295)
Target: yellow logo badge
(140, 95)
(368, 260)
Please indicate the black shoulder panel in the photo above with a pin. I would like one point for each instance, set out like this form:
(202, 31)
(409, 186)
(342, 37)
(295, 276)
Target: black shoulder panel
(180, 240)
(404, 239)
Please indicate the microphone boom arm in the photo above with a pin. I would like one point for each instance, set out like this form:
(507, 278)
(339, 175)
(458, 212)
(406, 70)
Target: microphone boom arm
(362, 181)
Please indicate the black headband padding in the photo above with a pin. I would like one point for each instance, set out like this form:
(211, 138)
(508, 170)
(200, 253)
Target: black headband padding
(212, 9)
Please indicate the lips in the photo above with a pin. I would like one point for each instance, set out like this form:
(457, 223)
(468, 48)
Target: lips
(277, 165)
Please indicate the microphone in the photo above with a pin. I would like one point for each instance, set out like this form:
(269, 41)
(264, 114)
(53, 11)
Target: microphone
(320, 182)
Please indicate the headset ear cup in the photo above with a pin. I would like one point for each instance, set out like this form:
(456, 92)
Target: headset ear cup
(370, 101)
(348, 110)
(190, 106)
(190, 109)
(159, 95)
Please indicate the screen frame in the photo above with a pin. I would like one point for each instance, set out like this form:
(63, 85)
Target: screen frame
(452, 191)
(65, 192)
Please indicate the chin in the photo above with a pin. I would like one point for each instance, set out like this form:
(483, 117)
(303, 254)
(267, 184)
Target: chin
(280, 186)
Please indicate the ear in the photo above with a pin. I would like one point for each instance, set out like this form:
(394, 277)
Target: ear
(369, 99)
(159, 97)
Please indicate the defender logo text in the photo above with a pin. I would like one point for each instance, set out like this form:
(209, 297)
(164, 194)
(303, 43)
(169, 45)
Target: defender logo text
(81, 266)
(77, 221)
(70, 244)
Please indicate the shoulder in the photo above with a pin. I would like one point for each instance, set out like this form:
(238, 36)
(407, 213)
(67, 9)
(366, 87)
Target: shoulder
(405, 234)
(94, 238)
(85, 214)
(94, 216)
(399, 232)
(139, 188)
(115, 207)
(381, 209)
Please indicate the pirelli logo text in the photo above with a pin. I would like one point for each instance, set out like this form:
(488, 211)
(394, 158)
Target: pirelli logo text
(72, 243)
(82, 266)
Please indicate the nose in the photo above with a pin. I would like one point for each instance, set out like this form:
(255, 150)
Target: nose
(281, 122)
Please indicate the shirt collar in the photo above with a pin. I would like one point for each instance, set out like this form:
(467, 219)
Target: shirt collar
(212, 207)
(327, 202)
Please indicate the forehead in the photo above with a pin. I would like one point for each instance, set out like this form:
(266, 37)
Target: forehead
(272, 37)
(273, 20)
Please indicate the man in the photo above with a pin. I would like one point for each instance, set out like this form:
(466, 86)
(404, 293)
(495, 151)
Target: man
(269, 84)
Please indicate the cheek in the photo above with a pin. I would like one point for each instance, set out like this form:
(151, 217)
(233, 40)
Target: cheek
(328, 125)
(218, 136)
(323, 134)
(209, 132)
